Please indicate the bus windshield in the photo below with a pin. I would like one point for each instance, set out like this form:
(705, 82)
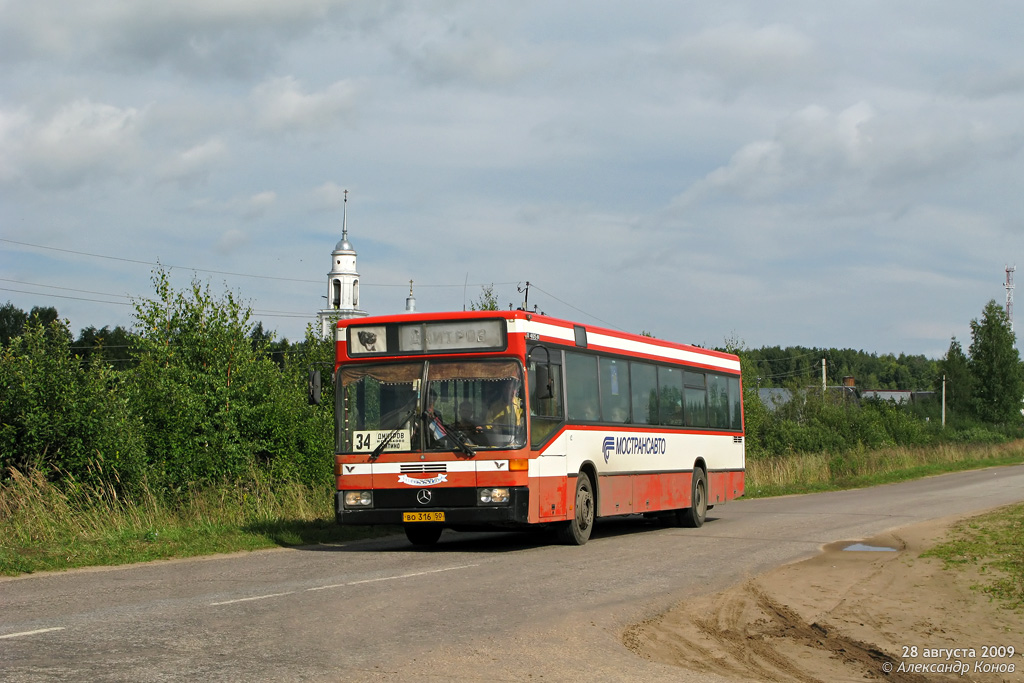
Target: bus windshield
(431, 406)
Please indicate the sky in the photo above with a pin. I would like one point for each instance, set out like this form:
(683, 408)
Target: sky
(803, 173)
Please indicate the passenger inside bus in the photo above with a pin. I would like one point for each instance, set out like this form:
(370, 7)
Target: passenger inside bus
(467, 419)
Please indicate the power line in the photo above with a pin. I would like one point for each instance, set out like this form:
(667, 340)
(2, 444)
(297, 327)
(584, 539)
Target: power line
(223, 272)
(70, 289)
(281, 314)
(157, 264)
(578, 310)
(64, 296)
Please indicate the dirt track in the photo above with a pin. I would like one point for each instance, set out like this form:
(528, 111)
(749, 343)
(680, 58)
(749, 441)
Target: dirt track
(844, 615)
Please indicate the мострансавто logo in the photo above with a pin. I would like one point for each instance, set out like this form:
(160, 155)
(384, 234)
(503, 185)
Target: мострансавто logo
(633, 445)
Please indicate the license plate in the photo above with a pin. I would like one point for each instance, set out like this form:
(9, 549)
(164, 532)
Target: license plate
(422, 516)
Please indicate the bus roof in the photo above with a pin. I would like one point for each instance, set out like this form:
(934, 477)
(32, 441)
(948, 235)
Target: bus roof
(563, 332)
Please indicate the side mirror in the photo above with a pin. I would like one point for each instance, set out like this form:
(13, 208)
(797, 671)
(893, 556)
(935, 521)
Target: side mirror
(315, 395)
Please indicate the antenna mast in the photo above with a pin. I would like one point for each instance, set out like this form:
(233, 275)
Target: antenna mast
(1009, 294)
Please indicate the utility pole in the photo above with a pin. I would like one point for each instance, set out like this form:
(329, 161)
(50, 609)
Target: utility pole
(824, 386)
(1009, 294)
(943, 401)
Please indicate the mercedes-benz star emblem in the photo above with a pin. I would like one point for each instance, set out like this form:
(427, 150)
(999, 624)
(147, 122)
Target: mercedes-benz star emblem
(423, 496)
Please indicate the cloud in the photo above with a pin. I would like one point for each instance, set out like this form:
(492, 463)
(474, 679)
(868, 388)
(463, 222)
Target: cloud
(258, 204)
(282, 105)
(839, 157)
(989, 83)
(475, 58)
(191, 36)
(741, 55)
(328, 197)
(232, 240)
(82, 141)
(192, 165)
(12, 124)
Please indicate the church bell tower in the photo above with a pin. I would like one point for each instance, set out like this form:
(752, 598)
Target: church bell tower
(342, 282)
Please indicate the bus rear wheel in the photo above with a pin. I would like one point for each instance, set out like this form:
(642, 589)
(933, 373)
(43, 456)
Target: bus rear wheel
(423, 534)
(694, 515)
(577, 530)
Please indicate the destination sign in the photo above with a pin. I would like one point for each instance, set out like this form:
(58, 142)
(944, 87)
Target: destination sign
(369, 439)
(467, 335)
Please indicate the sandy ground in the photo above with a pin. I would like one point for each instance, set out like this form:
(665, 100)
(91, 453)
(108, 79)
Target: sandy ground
(845, 615)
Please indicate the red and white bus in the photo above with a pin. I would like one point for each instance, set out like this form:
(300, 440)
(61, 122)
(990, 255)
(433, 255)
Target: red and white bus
(510, 419)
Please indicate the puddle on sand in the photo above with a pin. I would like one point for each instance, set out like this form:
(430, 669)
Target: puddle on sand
(872, 548)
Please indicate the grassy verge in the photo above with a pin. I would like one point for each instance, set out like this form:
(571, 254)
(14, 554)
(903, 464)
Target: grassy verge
(46, 527)
(825, 472)
(994, 543)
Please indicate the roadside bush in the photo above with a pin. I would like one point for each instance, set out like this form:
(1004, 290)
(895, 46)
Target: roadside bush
(813, 423)
(215, 405)
(60, 415)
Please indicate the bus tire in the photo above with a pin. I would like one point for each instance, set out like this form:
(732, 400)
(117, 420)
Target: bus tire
(694, 515)
(423, 534)
(577, 530)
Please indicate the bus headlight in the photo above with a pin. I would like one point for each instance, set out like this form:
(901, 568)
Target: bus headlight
(358, 499)
(495, 496)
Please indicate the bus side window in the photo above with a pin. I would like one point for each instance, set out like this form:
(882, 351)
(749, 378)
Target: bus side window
(696, 399)
(670, 386)
(545, 413)
(735, 404)
(718, 401)
(644, 389)
(582, 387)
(614, 390)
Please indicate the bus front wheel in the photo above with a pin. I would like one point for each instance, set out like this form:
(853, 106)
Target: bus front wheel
(577, 530)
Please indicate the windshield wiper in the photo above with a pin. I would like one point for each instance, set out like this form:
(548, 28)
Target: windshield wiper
(440, 430)
(375, 453)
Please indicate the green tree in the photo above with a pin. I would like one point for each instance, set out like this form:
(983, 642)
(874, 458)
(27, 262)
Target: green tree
(488, 301)
(956, 369)
(12, 322)
(205, 393)
(112, 345)
(995, 367)
(63, 416)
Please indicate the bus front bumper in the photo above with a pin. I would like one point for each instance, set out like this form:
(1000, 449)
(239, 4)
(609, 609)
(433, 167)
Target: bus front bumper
(459, 507)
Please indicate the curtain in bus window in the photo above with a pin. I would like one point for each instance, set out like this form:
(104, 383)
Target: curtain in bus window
(614, 389)
(474, 370)
(670, 386)
(581, 378)
(718, 401)
(644, 390)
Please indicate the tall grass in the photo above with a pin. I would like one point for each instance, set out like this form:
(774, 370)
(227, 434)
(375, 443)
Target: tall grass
(801, 473)
(46, 526)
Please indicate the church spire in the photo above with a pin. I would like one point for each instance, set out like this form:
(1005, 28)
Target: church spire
(410, 301)
(342, 281)
(344, 219)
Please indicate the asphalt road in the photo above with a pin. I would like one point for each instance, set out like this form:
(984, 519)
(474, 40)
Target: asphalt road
(478, 607)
